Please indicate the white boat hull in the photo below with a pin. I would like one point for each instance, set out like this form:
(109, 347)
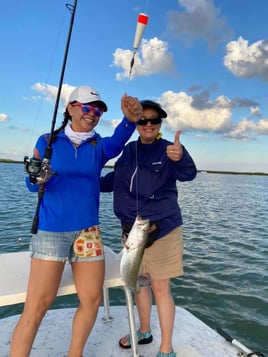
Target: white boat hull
(192, 338)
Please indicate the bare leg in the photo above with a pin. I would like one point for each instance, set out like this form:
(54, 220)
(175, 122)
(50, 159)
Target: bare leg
(88, 277)
(166, 312)
(144, 306)
(43, 284)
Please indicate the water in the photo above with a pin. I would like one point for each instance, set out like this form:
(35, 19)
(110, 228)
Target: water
(226, 248)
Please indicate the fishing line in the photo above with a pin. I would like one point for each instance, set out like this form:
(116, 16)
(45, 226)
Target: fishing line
(137, 178)
(140, 27)
(49, 71)
(34, 166)
(147, 6)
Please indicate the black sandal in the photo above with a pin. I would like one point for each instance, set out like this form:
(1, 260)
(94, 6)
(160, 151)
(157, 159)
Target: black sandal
(143, 339)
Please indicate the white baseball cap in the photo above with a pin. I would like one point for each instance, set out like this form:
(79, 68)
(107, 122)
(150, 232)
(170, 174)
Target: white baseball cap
(87, 95)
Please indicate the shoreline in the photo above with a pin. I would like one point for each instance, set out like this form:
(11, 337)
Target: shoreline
(9, 161)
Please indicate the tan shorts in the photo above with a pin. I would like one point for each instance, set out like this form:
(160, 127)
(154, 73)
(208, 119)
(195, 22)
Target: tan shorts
(163, 260)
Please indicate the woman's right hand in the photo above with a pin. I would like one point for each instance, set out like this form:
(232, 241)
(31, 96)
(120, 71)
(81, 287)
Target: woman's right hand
(131, 108)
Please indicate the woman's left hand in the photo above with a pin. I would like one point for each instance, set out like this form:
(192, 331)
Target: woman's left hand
(131, 108)
(175, 151)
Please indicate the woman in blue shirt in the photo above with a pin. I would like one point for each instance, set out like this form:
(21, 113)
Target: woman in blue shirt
(68, 218)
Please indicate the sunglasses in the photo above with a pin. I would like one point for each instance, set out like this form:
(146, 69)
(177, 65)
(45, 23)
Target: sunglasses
(153, 121)
(86, 108)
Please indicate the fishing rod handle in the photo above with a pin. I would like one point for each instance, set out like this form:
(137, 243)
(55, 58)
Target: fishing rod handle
(34, 229)
(225, 335)
(238, 344)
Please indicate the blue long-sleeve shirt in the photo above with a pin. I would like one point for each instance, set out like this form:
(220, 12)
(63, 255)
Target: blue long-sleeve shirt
(144, 183)
(71, 198)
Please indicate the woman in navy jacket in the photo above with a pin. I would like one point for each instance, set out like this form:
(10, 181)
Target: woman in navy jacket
(144, 183)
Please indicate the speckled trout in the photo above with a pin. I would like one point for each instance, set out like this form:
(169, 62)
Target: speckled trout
(133, 252)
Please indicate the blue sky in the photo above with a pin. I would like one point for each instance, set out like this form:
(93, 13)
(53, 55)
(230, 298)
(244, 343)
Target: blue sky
(205, 61)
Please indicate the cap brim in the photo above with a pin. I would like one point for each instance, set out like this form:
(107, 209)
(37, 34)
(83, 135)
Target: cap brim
(100, 104)
(149, 104)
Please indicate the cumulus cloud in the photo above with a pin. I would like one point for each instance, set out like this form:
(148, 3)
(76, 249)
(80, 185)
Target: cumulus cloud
(152, 58)
(243, 103)
(3, 117)
(50, 92)
(255, 111)
(262, 127)
(247, 61)
(200, 20)
(111, 123)
(197, 112)
(246, 130)
(201, 114)
(215, 116)
(202, 100)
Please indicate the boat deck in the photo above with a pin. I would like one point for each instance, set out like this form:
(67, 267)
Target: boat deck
(192, 338)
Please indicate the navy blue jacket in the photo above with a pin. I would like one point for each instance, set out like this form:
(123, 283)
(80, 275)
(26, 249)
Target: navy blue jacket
(144, 183)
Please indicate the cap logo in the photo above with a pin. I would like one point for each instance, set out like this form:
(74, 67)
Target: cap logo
(94, 93)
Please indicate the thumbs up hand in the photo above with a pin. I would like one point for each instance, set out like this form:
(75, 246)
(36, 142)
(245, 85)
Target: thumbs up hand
(175, 151)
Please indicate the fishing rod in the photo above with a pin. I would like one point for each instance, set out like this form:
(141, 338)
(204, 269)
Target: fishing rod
(245, 352)
(39, 171)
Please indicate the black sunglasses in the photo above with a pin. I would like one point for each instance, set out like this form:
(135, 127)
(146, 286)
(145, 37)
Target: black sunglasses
(153, 121)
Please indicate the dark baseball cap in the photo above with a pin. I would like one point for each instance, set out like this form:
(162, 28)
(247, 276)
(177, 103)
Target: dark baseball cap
(150, 104)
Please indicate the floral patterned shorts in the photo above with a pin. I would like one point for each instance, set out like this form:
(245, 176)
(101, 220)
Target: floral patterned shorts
(89, 243)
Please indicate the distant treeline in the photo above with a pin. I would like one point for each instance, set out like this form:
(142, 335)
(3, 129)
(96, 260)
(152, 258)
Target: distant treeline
(235, 173)
(11, 161)
(201, 171)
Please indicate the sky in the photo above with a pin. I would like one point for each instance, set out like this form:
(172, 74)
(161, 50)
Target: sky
(204, 61)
